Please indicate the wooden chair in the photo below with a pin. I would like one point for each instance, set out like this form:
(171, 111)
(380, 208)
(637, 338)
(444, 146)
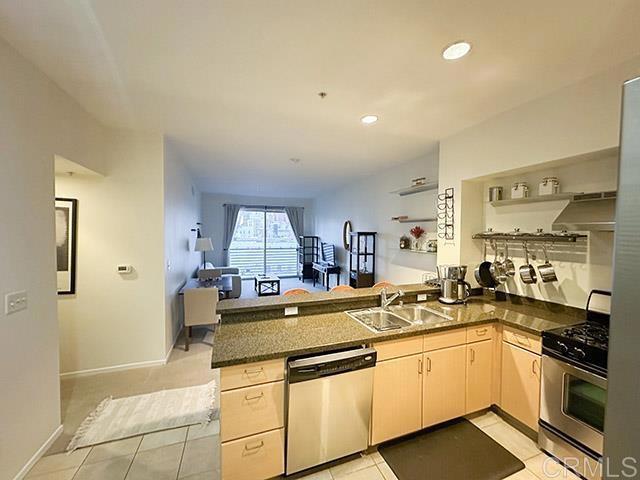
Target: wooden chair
(296, 291)
(383, 284)
(199, 309)
(341, 288)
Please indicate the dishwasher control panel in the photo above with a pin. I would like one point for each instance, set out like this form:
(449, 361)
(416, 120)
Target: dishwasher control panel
(333, 363)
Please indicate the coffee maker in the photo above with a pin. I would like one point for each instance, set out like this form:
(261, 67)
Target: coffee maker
(453, 288)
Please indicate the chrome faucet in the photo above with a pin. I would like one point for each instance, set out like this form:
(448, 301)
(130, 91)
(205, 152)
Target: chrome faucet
(385, 302)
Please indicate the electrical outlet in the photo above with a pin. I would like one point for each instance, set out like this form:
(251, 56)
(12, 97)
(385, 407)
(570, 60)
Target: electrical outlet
(422, 297)
(14, 302)
(290, 311)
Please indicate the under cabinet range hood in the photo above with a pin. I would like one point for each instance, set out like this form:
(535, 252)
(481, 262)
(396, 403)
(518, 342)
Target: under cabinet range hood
(588, 212)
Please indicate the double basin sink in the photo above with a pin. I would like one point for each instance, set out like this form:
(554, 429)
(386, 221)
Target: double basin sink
(378, 319)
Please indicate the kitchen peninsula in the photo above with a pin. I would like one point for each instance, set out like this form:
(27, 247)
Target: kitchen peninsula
(466, 357)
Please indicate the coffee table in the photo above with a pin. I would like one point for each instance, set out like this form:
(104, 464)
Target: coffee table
(266, 285)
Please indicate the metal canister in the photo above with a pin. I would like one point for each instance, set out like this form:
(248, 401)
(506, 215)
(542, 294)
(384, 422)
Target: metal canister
(495, 194)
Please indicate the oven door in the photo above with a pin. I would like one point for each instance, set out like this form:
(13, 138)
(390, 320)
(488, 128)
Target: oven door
(573, 401)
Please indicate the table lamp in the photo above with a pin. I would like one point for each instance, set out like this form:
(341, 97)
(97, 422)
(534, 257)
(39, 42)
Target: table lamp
(203, 244)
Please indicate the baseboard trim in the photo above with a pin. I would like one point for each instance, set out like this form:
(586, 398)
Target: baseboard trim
(39, 454)
(114, 368)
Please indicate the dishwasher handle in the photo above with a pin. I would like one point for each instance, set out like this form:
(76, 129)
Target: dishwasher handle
(325, 365)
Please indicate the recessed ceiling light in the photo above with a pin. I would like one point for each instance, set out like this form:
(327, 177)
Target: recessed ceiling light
(456, 50)
(369, 119)
(294, 160)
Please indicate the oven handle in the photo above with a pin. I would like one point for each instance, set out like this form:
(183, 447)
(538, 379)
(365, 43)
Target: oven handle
(578, 372)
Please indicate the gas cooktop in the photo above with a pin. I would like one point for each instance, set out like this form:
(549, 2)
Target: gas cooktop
(586, 344)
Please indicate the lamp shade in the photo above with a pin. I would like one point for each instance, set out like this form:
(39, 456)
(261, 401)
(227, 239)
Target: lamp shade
(203, 244)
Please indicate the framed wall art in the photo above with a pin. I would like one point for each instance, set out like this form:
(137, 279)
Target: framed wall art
(66, 212)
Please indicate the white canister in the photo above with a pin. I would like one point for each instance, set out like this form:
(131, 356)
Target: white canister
(520, 190)
(549, 186)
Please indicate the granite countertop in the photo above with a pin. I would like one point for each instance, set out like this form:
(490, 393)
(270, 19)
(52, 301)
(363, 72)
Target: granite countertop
(245, 342)
(240, 305)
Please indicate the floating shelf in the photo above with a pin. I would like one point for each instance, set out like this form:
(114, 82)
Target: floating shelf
(539, 198)
(413, 250)
(523, 237)
(416, 189)
(414, 220)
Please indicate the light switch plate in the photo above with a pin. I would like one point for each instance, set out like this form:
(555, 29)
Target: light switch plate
(14, 302)
(288, 311)
(422, 297)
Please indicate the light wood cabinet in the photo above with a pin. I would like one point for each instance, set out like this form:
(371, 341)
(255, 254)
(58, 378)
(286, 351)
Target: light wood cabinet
(398, 348)
(447, 338)
(479, 375)
(480, 333)
(252, 458)
(521, 384)
(444, 379)
(251, 410)
(397, 398)
(522, 339)
(248, 374)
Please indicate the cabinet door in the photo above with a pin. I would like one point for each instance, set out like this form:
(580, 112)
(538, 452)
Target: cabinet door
(397, 398)
(521, 384)
(479, 375)
(443, 395)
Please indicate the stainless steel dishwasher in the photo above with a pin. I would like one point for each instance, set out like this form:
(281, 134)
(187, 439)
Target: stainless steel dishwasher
(329, 406)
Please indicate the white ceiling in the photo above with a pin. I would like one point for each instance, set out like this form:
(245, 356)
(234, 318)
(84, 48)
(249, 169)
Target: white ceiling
(233, 84)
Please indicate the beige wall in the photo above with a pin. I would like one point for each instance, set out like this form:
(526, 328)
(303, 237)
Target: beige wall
(181, 213)
(369, 205)
(37, 121)
(576, 120)
(115, 320)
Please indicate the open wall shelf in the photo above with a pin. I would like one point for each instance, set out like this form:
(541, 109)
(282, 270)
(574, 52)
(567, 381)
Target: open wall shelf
(416, 189)
(414, 220)
(536, 199)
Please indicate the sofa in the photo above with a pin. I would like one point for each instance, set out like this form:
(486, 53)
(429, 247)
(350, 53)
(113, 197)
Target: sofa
(208, 270)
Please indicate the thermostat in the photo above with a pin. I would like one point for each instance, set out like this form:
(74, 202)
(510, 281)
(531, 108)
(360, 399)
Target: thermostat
(122, 269)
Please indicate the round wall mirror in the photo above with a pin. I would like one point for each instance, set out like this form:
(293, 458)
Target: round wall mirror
(346, 234)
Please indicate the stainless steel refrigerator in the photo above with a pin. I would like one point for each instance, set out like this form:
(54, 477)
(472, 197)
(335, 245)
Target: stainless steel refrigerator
(622, 418)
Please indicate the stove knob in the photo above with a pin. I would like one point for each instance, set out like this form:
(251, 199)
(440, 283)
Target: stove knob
(579, 353)
(563, 348)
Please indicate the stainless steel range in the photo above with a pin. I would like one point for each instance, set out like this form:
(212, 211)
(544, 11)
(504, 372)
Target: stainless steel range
(574, 391)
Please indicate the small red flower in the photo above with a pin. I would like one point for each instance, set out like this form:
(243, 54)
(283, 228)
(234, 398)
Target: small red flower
(417, 232)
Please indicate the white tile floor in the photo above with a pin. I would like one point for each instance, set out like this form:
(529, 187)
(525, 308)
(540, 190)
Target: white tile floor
(187, 453)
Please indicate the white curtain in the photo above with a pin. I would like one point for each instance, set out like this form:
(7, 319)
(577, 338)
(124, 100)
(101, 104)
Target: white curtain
(231, 212)
(296, 218)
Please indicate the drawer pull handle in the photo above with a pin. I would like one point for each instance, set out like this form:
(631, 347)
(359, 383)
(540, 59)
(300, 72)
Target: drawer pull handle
(533, 366)
(428, 364)
(254, 397)
(481, 332)
(419, 366)
(256, 446)
(521, 339)
(473, 355)
(254, 372)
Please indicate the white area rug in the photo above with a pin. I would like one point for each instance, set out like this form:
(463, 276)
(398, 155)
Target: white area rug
(140, 414)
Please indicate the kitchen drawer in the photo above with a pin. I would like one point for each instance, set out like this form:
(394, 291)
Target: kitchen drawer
(522, 339)
(248, 374)
(481, 332)
(398, 348)
(251, 410)
(258, 457)
(449, 338)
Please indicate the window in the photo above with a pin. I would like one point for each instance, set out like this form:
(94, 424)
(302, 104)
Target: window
(263, 243)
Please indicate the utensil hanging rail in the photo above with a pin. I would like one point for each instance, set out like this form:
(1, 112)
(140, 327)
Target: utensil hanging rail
(530, 237)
